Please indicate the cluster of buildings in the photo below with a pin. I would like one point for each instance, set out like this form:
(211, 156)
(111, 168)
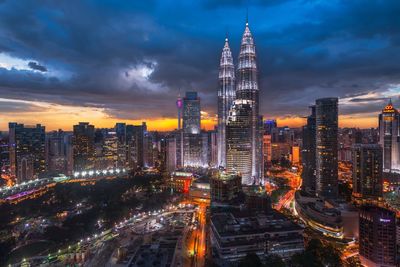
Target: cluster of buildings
(242, 220)
(374, 158)
(28, 152)
(189, 145)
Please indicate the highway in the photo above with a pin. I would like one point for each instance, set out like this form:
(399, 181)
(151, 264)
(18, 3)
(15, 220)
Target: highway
(295, 184)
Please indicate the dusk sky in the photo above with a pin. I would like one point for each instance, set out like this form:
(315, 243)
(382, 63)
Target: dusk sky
(109, 61)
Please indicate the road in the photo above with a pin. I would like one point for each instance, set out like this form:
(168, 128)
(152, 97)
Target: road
(295, 183)
(97, 242)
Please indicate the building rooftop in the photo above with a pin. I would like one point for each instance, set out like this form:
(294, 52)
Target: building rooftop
(244, 222)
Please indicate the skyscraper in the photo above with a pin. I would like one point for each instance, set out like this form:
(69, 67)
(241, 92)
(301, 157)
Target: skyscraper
(84, 148)
(179, 105)
(239, 140)
(59, 152)
(308, 154)
(135, 136)
(192, 138)
(326, 114)
(226, 95)
(367, 170)
(377, 237)
(247, 89)
(389, 138)
(191, 113)
(27, 151)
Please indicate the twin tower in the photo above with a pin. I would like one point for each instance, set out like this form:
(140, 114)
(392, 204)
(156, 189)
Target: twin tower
(239, 122)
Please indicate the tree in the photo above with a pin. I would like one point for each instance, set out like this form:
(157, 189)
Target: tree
(273, 260)
(251, 259)
(317, 255)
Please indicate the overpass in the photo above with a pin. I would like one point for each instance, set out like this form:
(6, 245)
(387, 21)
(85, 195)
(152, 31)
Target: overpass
(25, 189)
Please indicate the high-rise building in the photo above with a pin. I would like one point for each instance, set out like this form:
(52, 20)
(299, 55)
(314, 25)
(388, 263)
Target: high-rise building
(59, 152)
(239, 140)
(110, 149)
(326, 114)
(171, 153)
(191, 113)
(4, 158)
(308, 154)
(247, 89)
(267, 152)
(295, 155)
(120, 129)
(269, 125)
(225, 187)
(192, 150)
(192, 138)
(226, 95)
(377, 237)
(27, 151)
(367, 171)
(135, 137)
(212, 148)
(84, 146)
(389, 138)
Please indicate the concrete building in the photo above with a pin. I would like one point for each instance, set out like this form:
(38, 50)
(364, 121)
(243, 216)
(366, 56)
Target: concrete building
(59, 152)
(367, 171)
(326, 113)
(84, 146)
(225, 187)
(389, 138)
(377, 230)
(238, 233)
(239, 140)
(27, 148)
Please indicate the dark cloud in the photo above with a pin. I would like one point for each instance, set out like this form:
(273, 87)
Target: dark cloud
(132, 57)
(36, 66)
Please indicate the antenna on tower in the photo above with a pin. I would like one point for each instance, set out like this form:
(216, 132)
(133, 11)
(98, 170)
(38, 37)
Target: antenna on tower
(247, 16)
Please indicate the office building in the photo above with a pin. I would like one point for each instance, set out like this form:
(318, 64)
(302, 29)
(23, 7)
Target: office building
(267, 152)
(239, 140)
(326, 114)
(308, 154)
(191, 113)
(377, 237)
(389, 138)
(192, 137)
(225, 187)
(235, 234)
(27, 147)
(59, 152)
(135, 138)
(247, 89)
(84, 146)
(269, 125)
(367, 171)
(226, 95)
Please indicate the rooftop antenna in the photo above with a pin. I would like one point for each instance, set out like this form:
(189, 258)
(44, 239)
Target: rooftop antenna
(247, 16)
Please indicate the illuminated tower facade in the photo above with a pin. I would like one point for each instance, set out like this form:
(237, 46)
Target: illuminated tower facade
(239, 140)
(326, 114)
(247, 89)
(389, 138)
(226, 95)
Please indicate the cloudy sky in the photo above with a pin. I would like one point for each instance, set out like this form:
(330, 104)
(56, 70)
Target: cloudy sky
(108, 61)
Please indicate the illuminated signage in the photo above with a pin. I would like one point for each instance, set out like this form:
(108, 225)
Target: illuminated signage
(384, 220)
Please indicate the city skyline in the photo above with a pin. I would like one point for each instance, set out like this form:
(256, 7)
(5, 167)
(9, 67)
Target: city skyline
(108, 84)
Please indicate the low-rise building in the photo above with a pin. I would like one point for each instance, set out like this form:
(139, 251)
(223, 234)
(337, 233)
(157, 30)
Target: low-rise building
(235, 234)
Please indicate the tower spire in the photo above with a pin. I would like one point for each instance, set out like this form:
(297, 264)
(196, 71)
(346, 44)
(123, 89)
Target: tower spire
(247, 16)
